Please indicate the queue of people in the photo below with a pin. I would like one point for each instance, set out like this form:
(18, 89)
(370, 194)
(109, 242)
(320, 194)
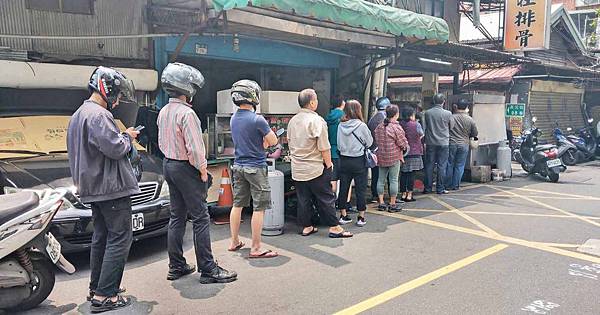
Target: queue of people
(403, 146)
(321, 154)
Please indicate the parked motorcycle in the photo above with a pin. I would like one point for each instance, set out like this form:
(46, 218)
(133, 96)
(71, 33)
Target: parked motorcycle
(540, 159)
(571, 153)
(27, 250)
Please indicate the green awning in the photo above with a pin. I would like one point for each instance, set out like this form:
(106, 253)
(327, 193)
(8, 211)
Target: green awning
(355, 13)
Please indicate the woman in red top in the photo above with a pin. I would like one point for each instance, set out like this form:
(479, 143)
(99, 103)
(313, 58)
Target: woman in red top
(391, 142)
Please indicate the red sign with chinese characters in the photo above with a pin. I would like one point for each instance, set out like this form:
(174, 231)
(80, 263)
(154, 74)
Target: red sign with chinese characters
(527, 25)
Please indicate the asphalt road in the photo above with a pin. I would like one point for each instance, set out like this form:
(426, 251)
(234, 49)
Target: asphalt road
(504, 248)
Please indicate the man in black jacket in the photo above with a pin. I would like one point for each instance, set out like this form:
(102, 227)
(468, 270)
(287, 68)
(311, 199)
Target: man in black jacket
(98, 158)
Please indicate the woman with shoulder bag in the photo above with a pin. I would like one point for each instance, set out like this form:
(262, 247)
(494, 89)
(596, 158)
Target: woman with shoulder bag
(414, 160)
(392, 143)
(353, 138)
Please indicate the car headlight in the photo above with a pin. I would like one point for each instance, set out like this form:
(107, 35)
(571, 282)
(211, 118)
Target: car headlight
(164, 191)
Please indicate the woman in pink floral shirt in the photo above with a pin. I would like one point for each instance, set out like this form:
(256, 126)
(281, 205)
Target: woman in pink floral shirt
(392, 143)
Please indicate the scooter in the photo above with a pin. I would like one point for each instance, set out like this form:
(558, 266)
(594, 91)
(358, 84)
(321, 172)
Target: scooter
(570, 156)
(540, 159)
(27, 250)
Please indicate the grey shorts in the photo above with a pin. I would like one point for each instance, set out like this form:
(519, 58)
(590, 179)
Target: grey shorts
(251, 182)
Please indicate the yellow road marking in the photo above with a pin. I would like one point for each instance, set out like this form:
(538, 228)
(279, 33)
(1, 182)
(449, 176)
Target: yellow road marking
(413, 284)
(564, 216)
(465, 216)
(506, 239)
(535, 196)
(557, 193)
(550, 207)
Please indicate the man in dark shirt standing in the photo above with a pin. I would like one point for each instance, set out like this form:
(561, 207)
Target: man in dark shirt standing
(463, 130)
(104, 178)
(437, 123)
(251, 136)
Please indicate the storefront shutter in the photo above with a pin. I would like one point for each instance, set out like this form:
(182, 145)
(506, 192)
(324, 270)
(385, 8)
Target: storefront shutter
(551, 108)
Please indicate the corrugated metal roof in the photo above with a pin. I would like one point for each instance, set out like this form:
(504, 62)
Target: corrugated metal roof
(489, 76)
(111, 17)
(13, 20)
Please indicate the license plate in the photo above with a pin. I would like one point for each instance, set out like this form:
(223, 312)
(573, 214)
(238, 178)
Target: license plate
(554, 163)
(137, 221)
(53, 248)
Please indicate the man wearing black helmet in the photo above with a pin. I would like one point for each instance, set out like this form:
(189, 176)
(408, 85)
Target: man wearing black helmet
(184, 167)
(98, 159)
(251, 136)
(437, 123)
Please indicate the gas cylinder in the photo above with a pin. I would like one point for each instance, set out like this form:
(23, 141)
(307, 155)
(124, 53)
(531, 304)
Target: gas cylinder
(275, 215)
(504, 158)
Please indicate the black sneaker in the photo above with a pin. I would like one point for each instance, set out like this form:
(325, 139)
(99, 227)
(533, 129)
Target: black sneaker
(361, 221)
(345, 220)
(382, 207)
(176, 273)
(395, 208)
(218, 275)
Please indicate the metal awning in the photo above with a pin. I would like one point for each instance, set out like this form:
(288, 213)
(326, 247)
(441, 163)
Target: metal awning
(500, 76)
(359, 14)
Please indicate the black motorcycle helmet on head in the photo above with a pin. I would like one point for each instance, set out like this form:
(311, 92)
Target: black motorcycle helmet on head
(111, 84)
(180, 79)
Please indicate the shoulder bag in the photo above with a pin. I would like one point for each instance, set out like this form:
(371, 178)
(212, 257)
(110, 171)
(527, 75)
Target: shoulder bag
(370, 157)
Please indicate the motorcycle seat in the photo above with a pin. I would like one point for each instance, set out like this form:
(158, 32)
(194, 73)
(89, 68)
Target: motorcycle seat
(13, 205)
(544, 147)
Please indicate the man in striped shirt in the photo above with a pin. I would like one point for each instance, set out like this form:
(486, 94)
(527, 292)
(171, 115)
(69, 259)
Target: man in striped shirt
(184, 166)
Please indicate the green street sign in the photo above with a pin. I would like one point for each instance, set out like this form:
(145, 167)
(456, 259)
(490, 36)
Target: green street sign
(515, 110)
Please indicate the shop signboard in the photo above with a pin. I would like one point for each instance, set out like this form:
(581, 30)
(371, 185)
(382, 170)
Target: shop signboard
(515, 113)
(527, 25)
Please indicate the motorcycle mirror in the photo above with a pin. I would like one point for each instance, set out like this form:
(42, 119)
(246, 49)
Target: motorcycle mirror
(534, 119)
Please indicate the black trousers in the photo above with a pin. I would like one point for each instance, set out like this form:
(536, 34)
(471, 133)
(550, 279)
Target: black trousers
(353, 168)
(317, 190)
(374, 181)
(110, 244)
(407, 181)
(188, 196)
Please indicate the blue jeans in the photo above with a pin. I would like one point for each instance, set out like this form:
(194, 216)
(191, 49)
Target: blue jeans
(457, 158)
(436, 155)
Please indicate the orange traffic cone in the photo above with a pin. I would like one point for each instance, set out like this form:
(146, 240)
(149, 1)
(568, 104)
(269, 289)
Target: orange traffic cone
(225, 202)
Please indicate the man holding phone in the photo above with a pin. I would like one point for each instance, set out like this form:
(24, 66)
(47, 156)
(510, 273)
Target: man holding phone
(185, 170)
(102, 173)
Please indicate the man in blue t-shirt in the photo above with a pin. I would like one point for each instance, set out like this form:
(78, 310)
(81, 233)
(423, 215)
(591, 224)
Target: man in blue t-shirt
(251, 136)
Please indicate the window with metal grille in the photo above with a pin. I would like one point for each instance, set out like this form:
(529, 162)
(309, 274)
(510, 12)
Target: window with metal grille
(64, 6)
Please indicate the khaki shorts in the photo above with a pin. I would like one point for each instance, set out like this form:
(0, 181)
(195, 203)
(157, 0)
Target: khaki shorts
(251, 182)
